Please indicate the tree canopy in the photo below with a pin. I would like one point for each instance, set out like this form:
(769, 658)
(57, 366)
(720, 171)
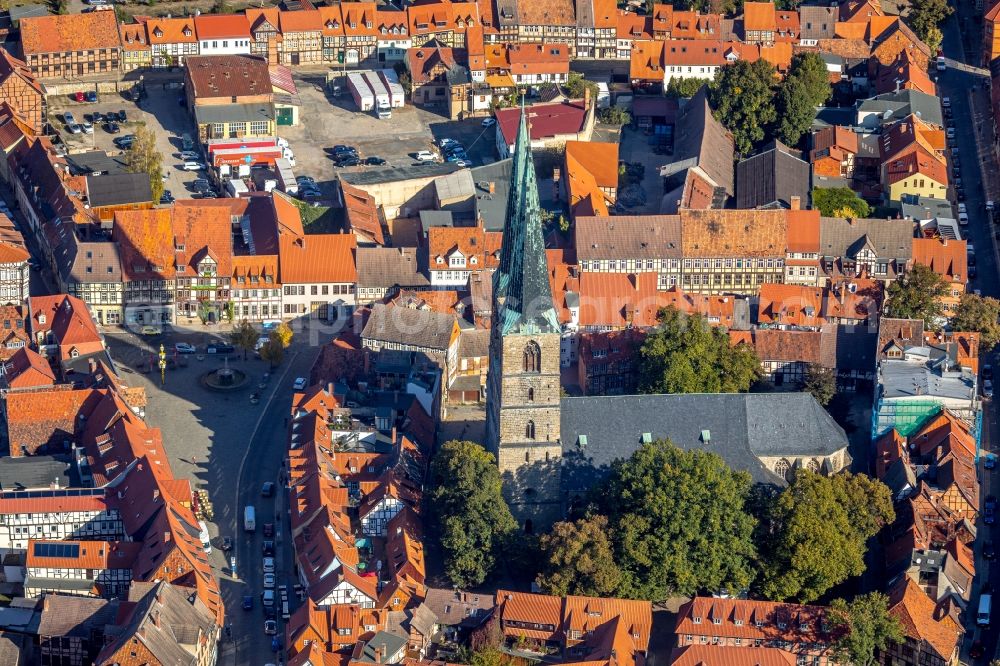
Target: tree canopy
(917, 295)
(143, 157)
(244, 336)
(821, 526)
(979, 314)
(806, 87)
(686, 354)
(839, 202)
(579, 559)
(472, 516)
(866, 628)
(683, 87)
(925, 17)
(576, 85)
(742, 95)
(821, 383)
(678, 522)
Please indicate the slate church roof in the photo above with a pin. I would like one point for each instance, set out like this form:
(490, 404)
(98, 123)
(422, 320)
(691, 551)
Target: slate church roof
(740, 427)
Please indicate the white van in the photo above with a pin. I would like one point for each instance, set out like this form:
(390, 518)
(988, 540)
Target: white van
(983, 616)
(206, 542)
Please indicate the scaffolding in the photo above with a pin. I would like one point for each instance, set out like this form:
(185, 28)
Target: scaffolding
(906, 417)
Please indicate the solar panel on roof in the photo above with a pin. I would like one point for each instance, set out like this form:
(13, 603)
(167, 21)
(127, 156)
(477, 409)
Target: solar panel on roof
(57, 550)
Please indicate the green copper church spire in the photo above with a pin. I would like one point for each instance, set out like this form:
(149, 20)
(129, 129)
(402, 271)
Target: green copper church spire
(521, 292)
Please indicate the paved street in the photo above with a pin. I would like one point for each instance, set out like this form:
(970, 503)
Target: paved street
(968, 89)
(230, 448)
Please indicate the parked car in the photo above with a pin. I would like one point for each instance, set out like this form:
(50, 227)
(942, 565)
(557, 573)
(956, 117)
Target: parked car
(91, 96)
(489, 122)
(341, 148)
(267, 490)
(988, 551)
(79, 96)
(268, 565)
(113, 128)
(348, 162)
(193, 166)
(425, 156)
(74, 129)
(374, 161)
(268, 530)
(988, 388)
(269, 581)
(268, 548)
(124, 141)
(946, 102)
(88, 128)
(166, 197)
(987, 371)
(122, 116)
(247, 602)
(305, 180)
(268, 597)
(150, 329)
(990, 461)
(227, 544)
(184, 348)
(189, 155)
(219, 348)
(270, 627)
(299, 383)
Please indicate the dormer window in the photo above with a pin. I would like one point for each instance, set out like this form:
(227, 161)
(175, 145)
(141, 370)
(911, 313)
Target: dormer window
(716, 620)
(41, 319)
(158, 33)
(187, 31)
(696, 619)
(368, 24)
(474, 261)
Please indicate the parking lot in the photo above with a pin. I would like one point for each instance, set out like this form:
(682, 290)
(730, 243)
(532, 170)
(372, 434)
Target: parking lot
(326, 121)
(159, 111)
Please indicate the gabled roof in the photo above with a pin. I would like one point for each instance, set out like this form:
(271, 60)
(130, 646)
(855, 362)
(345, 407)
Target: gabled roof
(702, 141)
(921, 620)
(69, 32)
(759, 16)
(771, 178)
(947, 258)
(27, 369)
(221, 26)
(228, 76)
(202, 228)
(179, 30)
(317, 258)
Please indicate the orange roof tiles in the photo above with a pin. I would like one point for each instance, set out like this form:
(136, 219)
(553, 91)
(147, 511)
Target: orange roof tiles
(947, 258)
(92, 555)
(70, 32)
(202, 230)
(134, 37)
(301, 20)
(617, 300)
(633, 26)
(146, 243)
(727, 233)
(171, 31)
(27, 369)
(695, 25)
(538, 59)
(591, 168)
(646, 61)
(221, 26)
(917, 613)
(317, 258)
(704, 655)
(69, 321)
(759, 16)
(751, 620)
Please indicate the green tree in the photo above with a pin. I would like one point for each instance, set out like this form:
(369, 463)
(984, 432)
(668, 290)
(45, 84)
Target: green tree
(866, 628)
(230, 311)
(144, 157)
(806, 87)
(917, 295)
(839, 202)
(678, 522)
(244, 336)
(933, 39)
(821, 526)
(684, 87)
(615, 115)
(926, 16)
(821, 383)
(576, 85)
(686, 354)
(579, 559)
(742, 95)
(272, 351)
(980, 314)
(473, 518)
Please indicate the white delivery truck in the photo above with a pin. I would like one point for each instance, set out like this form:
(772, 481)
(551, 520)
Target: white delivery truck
(383, 109)
(249, 519)
(285, 176)
(360, 91)
(237, 188)
(397, 97)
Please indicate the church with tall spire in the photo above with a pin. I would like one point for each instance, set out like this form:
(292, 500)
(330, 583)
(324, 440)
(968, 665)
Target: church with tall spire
(523, 390)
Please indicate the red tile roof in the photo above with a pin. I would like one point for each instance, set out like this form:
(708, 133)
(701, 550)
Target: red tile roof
(221, 26)
(317, 258)
(171, 31)
(68, 320)
(709, 655)
(202, 228)
(546, 120)
(921, 620)
(759, 16)
(69, 32)
(27, 369)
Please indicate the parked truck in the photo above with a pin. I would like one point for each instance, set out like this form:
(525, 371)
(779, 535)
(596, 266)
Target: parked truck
(249, 519)
(383, 108)
(397, 98)
(360, 91)
(236, 188)
(286, 179)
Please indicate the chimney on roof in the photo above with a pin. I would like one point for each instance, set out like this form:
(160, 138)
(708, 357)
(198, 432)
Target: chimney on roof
(586, 98)
(378, 654)
(796, 202)
(166, 536)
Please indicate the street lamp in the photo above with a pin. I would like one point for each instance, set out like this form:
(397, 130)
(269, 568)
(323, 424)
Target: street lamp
(163, 365)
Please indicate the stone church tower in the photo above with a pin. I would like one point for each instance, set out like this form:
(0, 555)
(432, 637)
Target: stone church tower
(523, 392)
